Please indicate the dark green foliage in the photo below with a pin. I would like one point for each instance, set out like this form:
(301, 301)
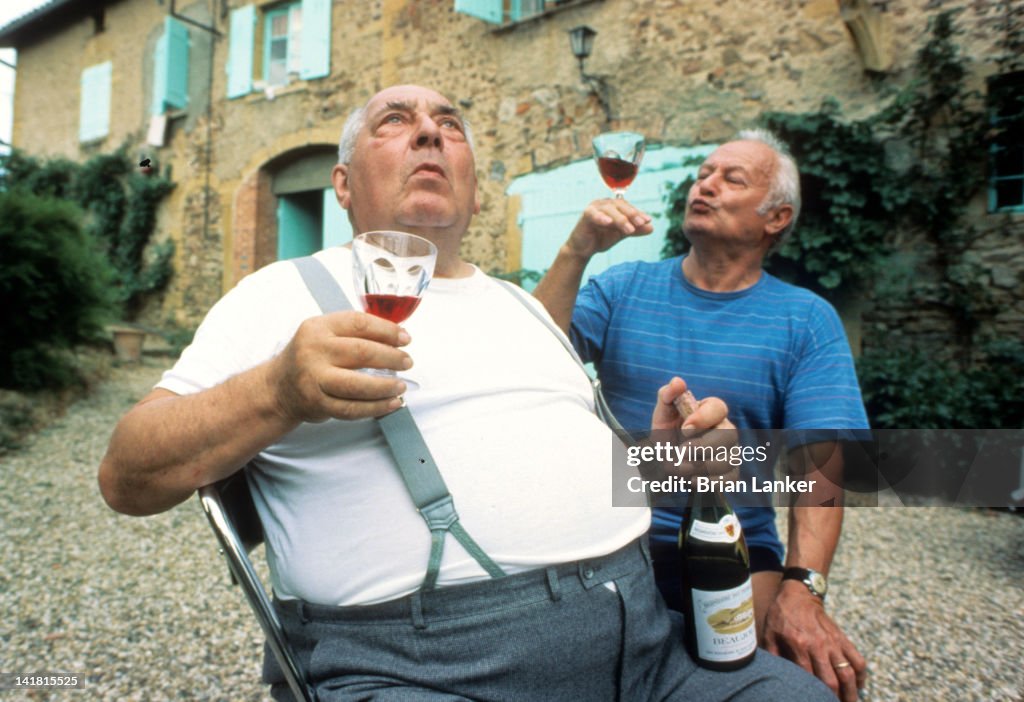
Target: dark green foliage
(65, 271)
(51, 178)
(850, 198)
(520, 276)
(177, 339)
(139, 277)
(120, 208)
(922, 391)
(675, 242)
(54, 281)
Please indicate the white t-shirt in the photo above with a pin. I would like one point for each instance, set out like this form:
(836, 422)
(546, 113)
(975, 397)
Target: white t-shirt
(507, 415)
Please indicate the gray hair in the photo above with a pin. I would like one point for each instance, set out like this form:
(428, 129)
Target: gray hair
(785, 185)
(355, 123)
(349, 133)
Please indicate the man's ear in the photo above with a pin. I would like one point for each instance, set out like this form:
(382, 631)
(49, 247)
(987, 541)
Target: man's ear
(339, 179)
(778, 220)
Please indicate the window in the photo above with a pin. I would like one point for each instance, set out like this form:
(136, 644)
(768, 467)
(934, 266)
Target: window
(296, 39)
(282, 53)
(487, 10)
(170, 68)
(1006, 167)
(501, 11)
(94, 111)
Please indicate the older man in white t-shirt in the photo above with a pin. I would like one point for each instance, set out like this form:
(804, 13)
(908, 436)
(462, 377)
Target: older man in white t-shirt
(509, 419)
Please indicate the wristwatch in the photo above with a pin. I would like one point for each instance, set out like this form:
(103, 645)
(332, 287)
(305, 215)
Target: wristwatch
(814, 580)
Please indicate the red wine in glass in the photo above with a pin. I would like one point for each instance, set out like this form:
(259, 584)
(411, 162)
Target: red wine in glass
(394, 308)
(390, 271)
(618, 156)
(616, 172)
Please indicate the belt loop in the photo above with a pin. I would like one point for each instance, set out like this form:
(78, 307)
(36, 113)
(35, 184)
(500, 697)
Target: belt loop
(416, 605)
(301, 607)
(553, 585)
(645, 550)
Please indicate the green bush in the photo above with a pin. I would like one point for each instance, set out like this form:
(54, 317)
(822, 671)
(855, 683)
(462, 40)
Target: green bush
(55, 283)
(917, 390)
(119, 206)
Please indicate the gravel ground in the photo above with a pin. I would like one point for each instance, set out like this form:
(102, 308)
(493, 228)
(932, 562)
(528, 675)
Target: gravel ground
(142, 609)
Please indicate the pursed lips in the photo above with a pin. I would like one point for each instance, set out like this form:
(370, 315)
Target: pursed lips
(701, 204)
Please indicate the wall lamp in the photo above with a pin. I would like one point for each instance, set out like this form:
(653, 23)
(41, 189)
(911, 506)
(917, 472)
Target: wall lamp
(581, 41)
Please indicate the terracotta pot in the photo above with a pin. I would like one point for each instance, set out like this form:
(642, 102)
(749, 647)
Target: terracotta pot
(128, 344)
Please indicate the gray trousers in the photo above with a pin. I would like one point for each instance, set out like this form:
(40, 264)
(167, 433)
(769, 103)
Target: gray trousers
(558, 634)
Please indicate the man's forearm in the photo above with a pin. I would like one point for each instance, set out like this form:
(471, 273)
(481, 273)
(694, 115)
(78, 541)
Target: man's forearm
(558, 288)
(813, 537)
(814, 530)
(168, 445)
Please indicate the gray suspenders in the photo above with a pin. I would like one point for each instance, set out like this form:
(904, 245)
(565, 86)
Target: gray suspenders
(419, 472)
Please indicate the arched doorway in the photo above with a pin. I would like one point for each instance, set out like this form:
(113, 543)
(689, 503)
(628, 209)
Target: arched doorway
(308, 216)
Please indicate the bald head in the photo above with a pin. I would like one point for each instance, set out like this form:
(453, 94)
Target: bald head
(357, 120)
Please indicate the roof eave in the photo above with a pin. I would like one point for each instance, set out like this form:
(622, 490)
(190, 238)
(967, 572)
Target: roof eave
(19, 31)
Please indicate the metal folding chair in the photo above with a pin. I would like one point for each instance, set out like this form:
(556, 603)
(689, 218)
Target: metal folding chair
(233, 517)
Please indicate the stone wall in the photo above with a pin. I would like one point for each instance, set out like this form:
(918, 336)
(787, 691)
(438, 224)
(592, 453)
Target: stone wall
(682, 72)
(912, 309)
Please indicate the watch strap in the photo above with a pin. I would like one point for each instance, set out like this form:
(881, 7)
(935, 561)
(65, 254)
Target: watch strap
(807, 577)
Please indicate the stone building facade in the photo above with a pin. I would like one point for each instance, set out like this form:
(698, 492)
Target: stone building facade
(682, 72)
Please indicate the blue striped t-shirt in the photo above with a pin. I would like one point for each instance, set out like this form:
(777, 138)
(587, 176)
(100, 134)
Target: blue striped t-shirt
(776, 353)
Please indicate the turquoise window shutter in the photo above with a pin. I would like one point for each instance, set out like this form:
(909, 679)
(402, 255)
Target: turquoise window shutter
(94, 112)
(170, 67)
(553, 200)
(487, 10)
(159, 75)
(242, 28)
(316, 39)
(177, 63)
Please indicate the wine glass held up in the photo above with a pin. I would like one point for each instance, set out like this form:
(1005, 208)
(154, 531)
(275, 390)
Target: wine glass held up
(391, 271)
(618, 157)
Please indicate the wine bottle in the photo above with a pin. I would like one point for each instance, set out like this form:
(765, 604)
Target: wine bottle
(719, 602)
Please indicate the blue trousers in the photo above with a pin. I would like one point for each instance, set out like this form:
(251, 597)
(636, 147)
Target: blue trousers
(592, 630)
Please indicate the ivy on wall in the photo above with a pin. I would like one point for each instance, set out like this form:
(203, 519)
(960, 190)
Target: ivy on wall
(120, 205)
(912, 168)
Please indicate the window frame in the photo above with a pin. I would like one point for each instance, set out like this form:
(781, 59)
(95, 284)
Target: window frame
(293, 43)
(997, 177)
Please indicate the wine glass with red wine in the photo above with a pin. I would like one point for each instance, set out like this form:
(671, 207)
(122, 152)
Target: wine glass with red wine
(618, 157)
(391, 270)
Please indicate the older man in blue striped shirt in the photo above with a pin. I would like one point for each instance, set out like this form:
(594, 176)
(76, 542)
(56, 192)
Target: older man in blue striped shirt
(776, 353)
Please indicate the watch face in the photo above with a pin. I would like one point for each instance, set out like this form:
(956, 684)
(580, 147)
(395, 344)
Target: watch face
(818, 583)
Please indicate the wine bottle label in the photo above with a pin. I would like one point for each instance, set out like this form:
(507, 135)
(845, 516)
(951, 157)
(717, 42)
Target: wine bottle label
(724, 622)
(725, 531)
